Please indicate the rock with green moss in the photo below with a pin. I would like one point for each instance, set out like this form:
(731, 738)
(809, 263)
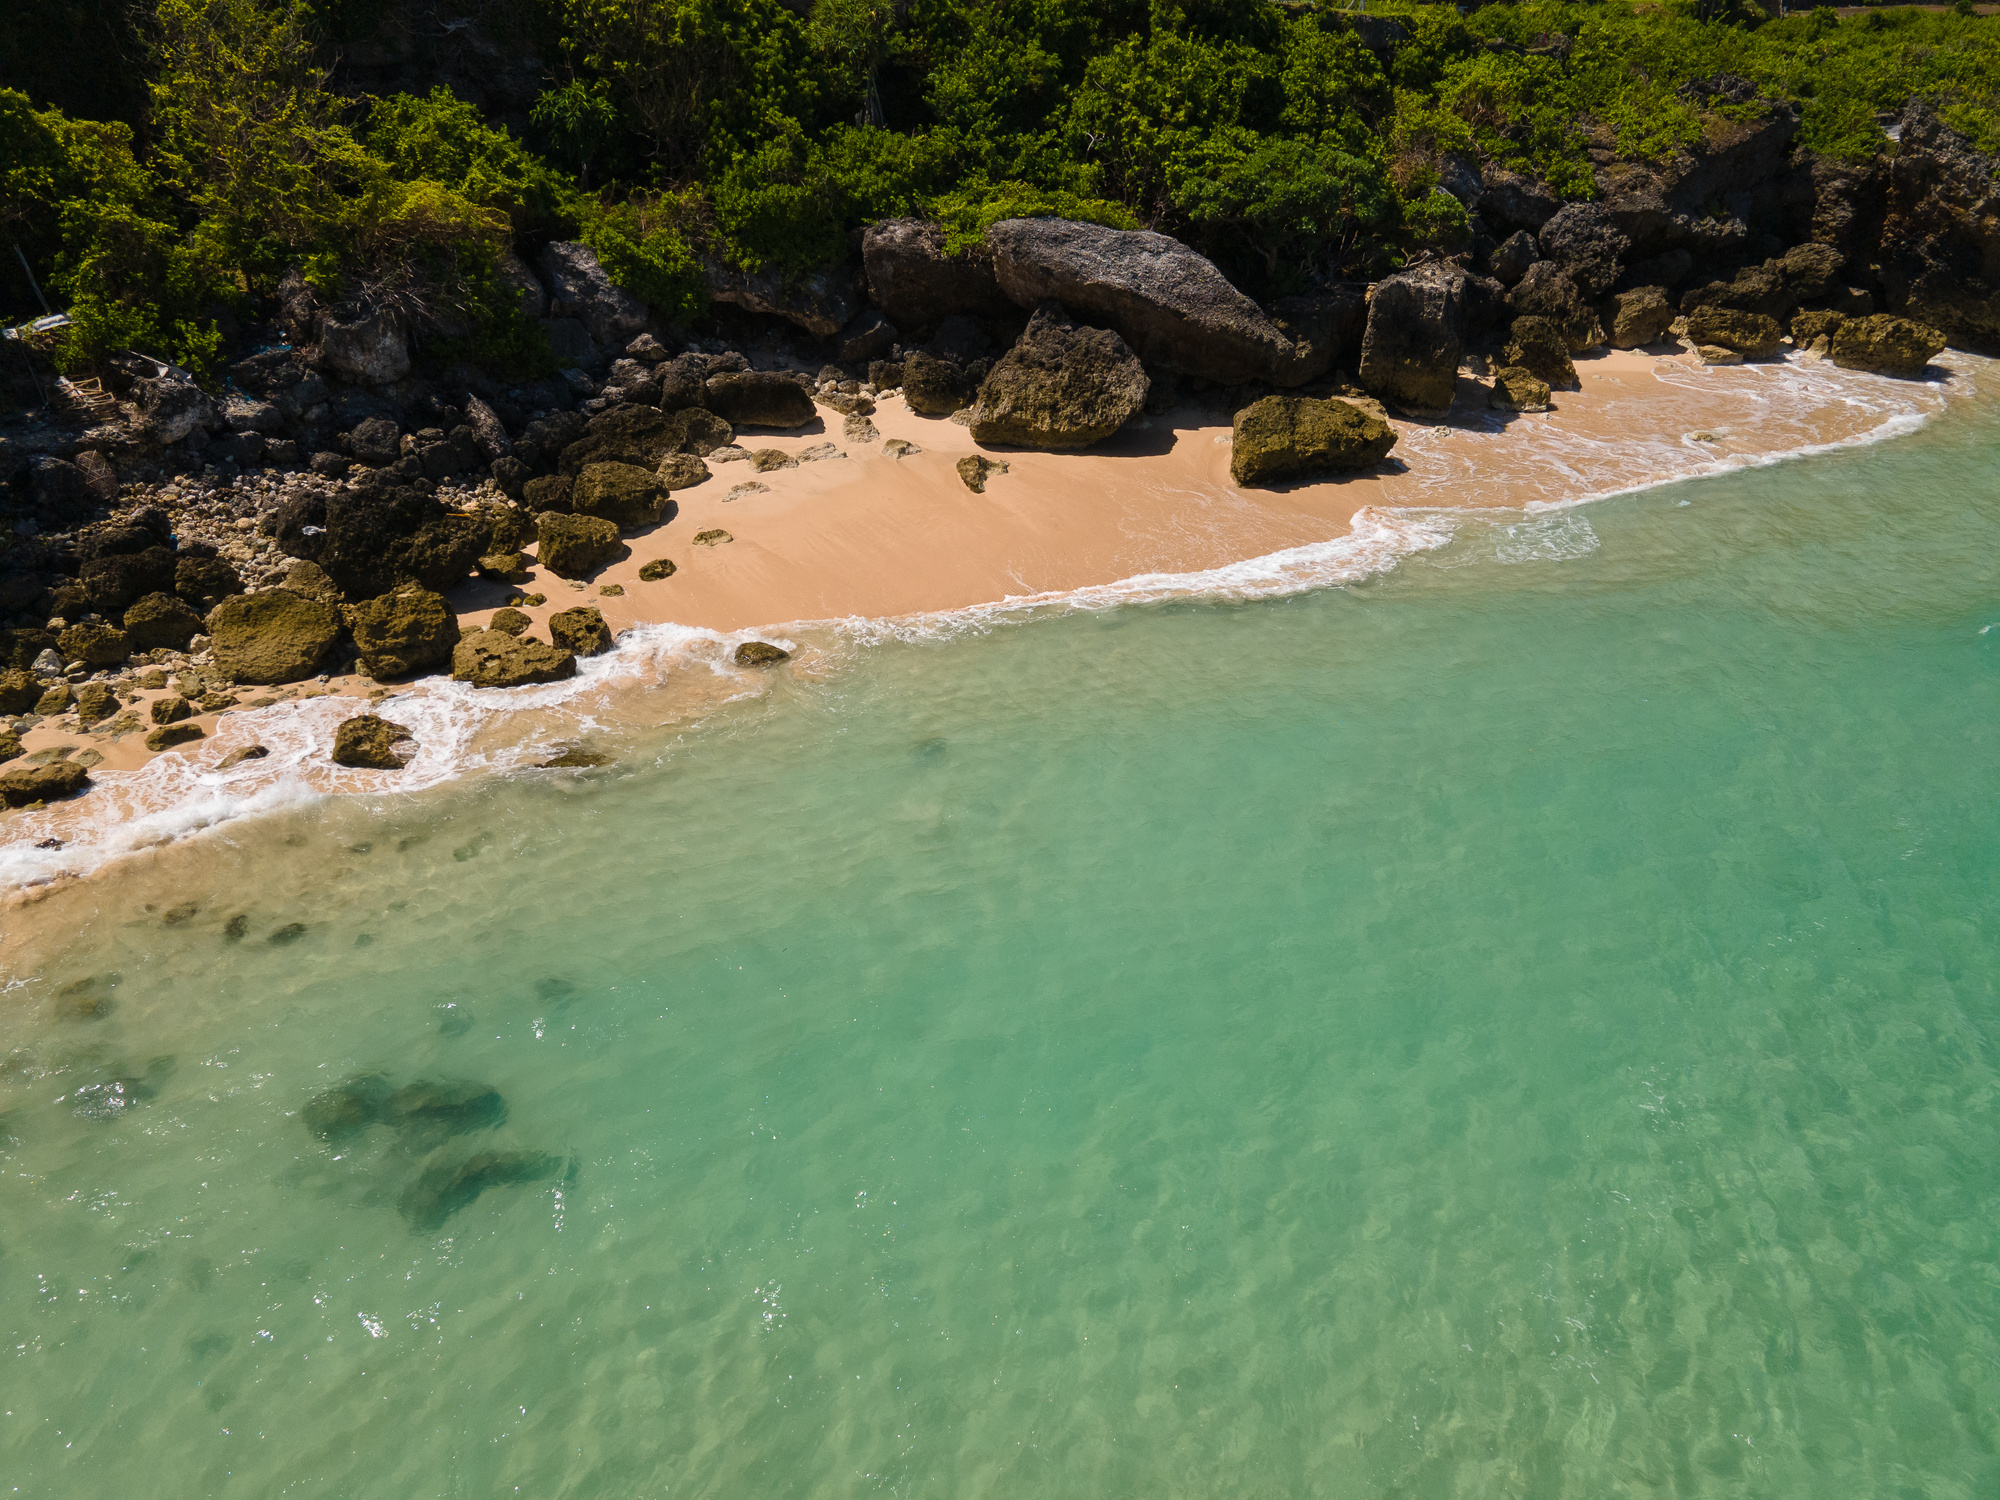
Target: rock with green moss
(702, 431)
(10, 745)
(581, 630)
(495, 659)
(549, 493)
(1753, 335)
(368, 742)
(760, 398)
(273, 637)
(1295, 437)
(46, 782)
(577, 546)
(1639, 317)
(509, 621)
(658, 568)
(681, 471)
(935, 387)
(1516, 389)
(975, 469)
(55, 701)
(169, 735)
(96, 701)
(623, 494)
(171, 709)
(1885, 345)
(1061, 386)
(760, 654)
(94, 644)
(1809, 327)
(161, 622)
(639, 436)
(19, 693)
(401, 634)
(1536, 345)
(715, 536)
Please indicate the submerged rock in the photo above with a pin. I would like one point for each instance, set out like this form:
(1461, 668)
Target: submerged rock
(575, 758)
(1060, 386)
(237, 756)
(441, 1190)
(434, 1110)
(760, 654)
(1291, 437)
(348, 1109)
(371, 743)
(495, 659)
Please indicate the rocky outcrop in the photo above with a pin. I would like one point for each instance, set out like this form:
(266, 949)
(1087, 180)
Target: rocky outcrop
(1415, 338)
(51, 781)
(495, 659)
(822, 303)
(377, 539)
(975, 469)
(1516, 389)
(917, 285)
(1294, 437)
(1546, 291)
(1940, 243)
(623, 494)
(1585, 241)
(374, 744)
(581, 630)
(760, 398)
(1640, 317)
(402, 634)
(364, 343)
(1534, 345)
(1168, 302)
(575, 546)
(935, 387)
(171, 407)
(1885, 345)
(95, 645)
(1060, 386)
(273, 637)
(580, 288)
(161, 622)
(1750, 334)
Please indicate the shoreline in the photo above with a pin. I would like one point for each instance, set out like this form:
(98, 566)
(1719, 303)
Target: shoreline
(871, 547)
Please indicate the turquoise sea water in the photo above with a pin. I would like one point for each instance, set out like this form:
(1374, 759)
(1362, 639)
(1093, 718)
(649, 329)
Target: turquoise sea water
(1520, 1027)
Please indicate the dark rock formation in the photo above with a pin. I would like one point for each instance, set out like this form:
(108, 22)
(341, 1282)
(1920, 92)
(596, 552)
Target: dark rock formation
(1546, 291)
(346, 1110)
(378, 539)
(934, 387)
(575, 546)
(441, 1190)
(1060, 386)
(1293, 437)
(623, 494)
(1537, 346)
(1585, 241)
(760, 654)
(364, 343)
(637, 435)
(1516, 389)
(681, 471)
(370, 743)
(403, 633)
(821, 303)
(161, 622)
(493, 658)
(273, 637)
(1884, 344)
(94, 645)
(1415, 338)
(657, 569)
(1940, 249)
(169, 735)
(1750, 334)
(917, 285)
(580, 630)
(1639, 317)
(580, 288)
(760, 398)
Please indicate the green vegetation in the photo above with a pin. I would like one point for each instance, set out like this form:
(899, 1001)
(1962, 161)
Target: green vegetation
(166, 193)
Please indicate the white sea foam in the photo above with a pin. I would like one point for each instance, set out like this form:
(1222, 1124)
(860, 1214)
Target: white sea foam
(463, 731)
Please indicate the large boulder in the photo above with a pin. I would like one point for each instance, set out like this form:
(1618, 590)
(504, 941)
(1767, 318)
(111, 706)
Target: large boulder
(1537, 346)
(822, 302)
(1750, 334)
(759, 398)
(1516, 389)
(161, 622)
(1509, 201)
(914, 282)
(1546, 291)
(372, 743)
(580, 630)
(48, 782)
(376, 441)
(1753, 289)
(580, 288)
(377, 539)
(272, 637)
(493, 658)
(489, 433)
(627, 435)
(1642, 316)
(1884, 344)
(1415, 338)
(1293, 437)
(1060, 386)
(575, 546)
(401, 634)
(172, 406)
(1586, 241)
(364, 343)
(934, 387)
(95, 644)
(1168, 302)
(623, 494)
(681, 471)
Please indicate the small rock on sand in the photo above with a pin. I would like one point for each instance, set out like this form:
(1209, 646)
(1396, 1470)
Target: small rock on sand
(658, 568)
(976, 468)
(714, 537)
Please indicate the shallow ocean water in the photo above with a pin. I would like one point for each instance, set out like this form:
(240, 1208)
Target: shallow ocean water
(1522, 1025)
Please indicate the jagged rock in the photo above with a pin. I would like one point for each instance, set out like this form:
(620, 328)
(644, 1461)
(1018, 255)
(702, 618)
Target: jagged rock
(1643, 316)
(1536, 346)
(576, 546)
(1511, 201)
(580, 288)
(581, 630)
(55, 701)
(509, 621)
(169, 735)
(309, 578)
(401, 634)
(917, 285)
(681, 471)
(171, 407)
(657, 569)
(441, 1190)
(1167, 301)
(764, 460)
(683, 382)
(1885, 345)
(242, 753)
(95, 645)
(1813, 272)
(821, 302)
(975, 469)
(934, 387)
(364, 343)
(760, 654)
(1516, 389)
(549, 493)
(1939, 250)
(1754, 289)
(10, 745)
(622, 494)
(1585, 241)
(273, 637)
(1752, 335)
(493, 658)
(95, 701)
(18, 692)
(1715, 354)
(1292, 437)
(47, 782)
(369, 743)
(1546, 292)
(488, 431)
(899, 448)
(858, 429)
(702, 431)
(171, 709)
(847, 405)
(513, 274)
(760, 398)
(1810, 329)
(161, 622)
(1060, 386)
(1415, 339)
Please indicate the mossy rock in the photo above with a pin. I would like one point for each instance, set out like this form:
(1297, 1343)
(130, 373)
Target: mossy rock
(19, 693)
(161, 622)
(632, 435)
(1061, 386)
(681, 471)
(550, 492)
(1753, 335)
(169, 735)
(56, 700)
(504, 567)
(509, 621)
(715, 536)
(273, 637)
(577, 546)
(1294, 437)
(1516, 389)
(623, 494)
(760, 654)
(658, 568)
(47, 782)
(96, 701)
(702, 431)
(401, 634)
(976, 468)
(1641, 316)
(94, 645)
(1814, 324)
(10, 745)
(573, 760)
(171, 709)
(581, 630)
(492, 658)
(1537, 346)
(1885, 345)
(368, 742)
(935, 387)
